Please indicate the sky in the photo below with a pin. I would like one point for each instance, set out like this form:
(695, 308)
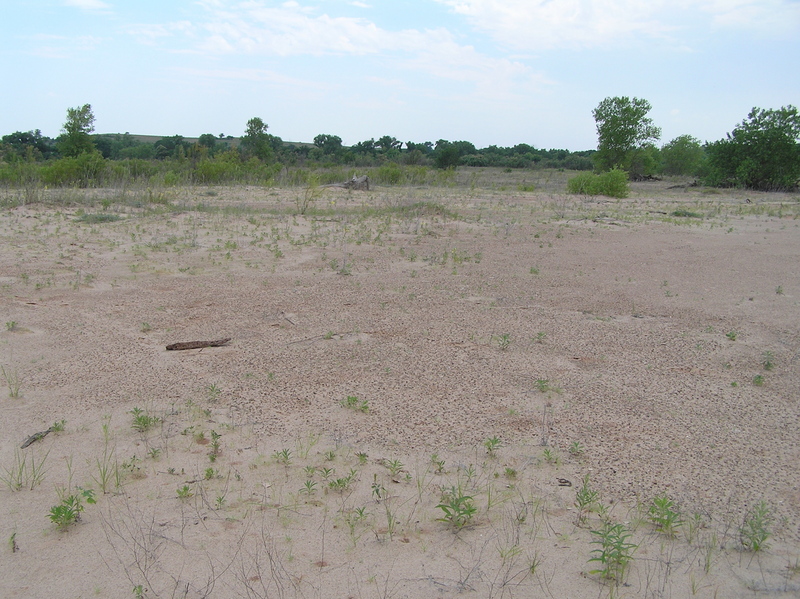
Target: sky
(493, 72)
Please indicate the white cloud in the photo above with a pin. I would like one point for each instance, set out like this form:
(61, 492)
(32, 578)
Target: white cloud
(262, 29)
(545, 24)
(88, 4)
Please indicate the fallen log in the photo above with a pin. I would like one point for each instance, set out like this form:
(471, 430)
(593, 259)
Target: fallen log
(36, 437)
(196, 344)
(357, 183)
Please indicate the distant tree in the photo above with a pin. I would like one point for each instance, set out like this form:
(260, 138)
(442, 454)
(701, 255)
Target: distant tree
(365, 147)
(682, 156)
(761, 153)
(170, 147)
(256, 141)
(446, 154)
(424, 148)
(29, 145)
(329, 144)
(76, 139)
(208, 140)
(625, 135)
(387, 142)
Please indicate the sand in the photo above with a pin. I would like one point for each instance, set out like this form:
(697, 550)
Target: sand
(524, 339)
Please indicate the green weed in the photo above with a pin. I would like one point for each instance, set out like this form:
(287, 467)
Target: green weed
(756, 528)
(614, 553)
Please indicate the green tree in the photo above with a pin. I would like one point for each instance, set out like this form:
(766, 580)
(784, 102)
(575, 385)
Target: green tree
(625, 135)
(329, 144)
(30, 145)
(682, 156)
(75, 138)
(256, 141)
(207, 140)
(761, 153)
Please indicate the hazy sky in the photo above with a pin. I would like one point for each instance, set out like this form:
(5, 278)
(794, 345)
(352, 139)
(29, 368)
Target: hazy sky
(487, 71)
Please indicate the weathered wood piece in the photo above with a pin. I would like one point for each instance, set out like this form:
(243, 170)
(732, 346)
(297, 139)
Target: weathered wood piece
(36, 437)
(197, 344)
(358, 183)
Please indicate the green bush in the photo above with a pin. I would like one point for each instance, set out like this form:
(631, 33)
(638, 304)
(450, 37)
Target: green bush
(613, 184)
(388, 174)
(84, 170)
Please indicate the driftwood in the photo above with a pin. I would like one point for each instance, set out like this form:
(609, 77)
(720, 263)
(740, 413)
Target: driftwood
(36, 437)
(357, 183)
(196, 344)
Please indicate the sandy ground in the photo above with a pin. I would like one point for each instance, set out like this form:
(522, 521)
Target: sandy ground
(494, 342)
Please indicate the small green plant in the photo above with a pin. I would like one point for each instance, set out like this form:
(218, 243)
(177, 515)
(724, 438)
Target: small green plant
(732, 335)
(11, 325)
(614, 553)
(664, 514)
(59, 426)
(142, 421)
(329, 455)
(756, 527)
(504, 341)
(510, 473)
(394, 466)
(768, 360)
(352, 402)
(13, 381)
(215, 444)
(145, 328)
(458, 508)
(437, 463)
(68, 512)
(543, 385)
(309, 487)
(492, 444)
(213, 392)
(586, 499)
(576, 449)
(540, 337)
(779, 290)
(378, 490)
(210, 473)
(549, 456)
(758, 380)
(184, 492)
(284, 456)
(362, 458)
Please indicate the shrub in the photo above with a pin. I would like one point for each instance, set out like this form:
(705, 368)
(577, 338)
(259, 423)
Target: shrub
(613, 184)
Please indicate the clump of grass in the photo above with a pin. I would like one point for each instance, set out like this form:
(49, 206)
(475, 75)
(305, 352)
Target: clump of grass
(758, 380)
(13, 381)
(97, 218)
(768, 360)
(351, 402)
(732, 335)
(586, 499)
(687, 214)
(142, 421)
(756, 527)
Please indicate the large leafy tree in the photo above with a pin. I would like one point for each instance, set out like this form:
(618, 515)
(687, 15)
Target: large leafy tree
(682, 156)
(256, 141)
(760, 153)
(625, 135)
(76, 134)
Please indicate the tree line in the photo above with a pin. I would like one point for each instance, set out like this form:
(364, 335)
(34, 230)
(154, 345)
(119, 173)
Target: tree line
(762, 152)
